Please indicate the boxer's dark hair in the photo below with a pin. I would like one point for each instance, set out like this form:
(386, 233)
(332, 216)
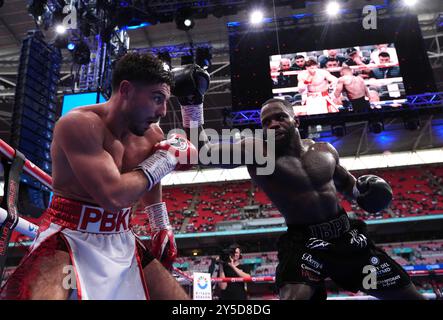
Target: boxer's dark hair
(331, 59)
(142, 68)
(384, 54)
(285, 104)
(299, 57)
(311, 62)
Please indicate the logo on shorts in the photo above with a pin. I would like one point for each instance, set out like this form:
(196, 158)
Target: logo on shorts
(374, 261)
(358, 239)
(314, 243)
(308, 258)
(310, 273)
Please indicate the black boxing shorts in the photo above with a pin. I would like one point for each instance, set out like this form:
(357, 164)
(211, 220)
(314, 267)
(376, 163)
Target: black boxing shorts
(341, 250)
(360, 104)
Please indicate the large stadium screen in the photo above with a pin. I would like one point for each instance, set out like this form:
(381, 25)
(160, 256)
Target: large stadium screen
(75, 100)
(358, 79)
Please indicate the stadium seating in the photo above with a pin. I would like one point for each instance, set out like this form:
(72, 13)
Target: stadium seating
(264, 263)
(417, 191)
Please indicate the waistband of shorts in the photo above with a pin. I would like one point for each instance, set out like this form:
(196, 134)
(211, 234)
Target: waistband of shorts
(328, 230)
(359, 99)
(318, 94)
(86, 217)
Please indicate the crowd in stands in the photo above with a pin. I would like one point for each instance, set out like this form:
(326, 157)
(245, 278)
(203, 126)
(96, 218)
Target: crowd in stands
(417, 191)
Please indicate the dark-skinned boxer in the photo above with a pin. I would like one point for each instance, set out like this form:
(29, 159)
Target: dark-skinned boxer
(321, 241)
(106, 158)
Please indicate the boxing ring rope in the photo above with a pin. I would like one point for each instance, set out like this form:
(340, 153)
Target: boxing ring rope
(8, 152)
(29, 229)
(335, 69)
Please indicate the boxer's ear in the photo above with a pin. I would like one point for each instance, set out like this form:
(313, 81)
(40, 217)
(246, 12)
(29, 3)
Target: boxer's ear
(297, 121)
(125, 88)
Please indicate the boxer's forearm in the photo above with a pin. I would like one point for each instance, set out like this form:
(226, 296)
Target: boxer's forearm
(123, 192)
(211, 154)
(344, 182)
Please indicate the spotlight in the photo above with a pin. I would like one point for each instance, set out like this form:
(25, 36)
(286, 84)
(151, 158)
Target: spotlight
(70, 46)
(184, 19)
(332, 8)
(256, 17)
(60, 29)
(187, 22)
(203, 57)
(376, 126)
(410, 3)
(81, 54)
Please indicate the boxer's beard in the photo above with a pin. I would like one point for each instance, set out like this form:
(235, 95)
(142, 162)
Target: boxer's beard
(289, 137)
(137, 128)
(140, 132)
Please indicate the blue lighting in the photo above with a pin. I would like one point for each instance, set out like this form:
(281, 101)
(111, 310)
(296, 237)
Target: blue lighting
(233, 24)
(72, 101)
(384, 139)
(438, 130)
(301, 15)
(71, 46)
(336, 142)
(141, 25)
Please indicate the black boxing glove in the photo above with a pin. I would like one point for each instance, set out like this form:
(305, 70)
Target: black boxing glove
(191, 83)
(372, 193)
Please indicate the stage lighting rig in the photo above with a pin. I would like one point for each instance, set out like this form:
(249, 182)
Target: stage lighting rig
(81, 54)
(203, 57)
(166, 58)
(256, 17)
(184, 19)
(37, 8)
(188, 59)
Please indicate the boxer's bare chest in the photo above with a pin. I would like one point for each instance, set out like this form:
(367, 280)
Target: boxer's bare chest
(300, 184)
(310, 172)
(130, 151)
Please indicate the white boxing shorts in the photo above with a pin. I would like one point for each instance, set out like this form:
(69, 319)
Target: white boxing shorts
(107, 257)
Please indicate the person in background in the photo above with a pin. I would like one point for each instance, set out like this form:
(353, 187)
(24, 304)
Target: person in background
(230, 267)
(332, 54)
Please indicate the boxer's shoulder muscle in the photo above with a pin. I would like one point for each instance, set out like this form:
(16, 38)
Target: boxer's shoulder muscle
(325, 147)
(79, 124)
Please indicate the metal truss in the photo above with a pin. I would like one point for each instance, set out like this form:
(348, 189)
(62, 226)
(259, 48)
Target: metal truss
(420, 100)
